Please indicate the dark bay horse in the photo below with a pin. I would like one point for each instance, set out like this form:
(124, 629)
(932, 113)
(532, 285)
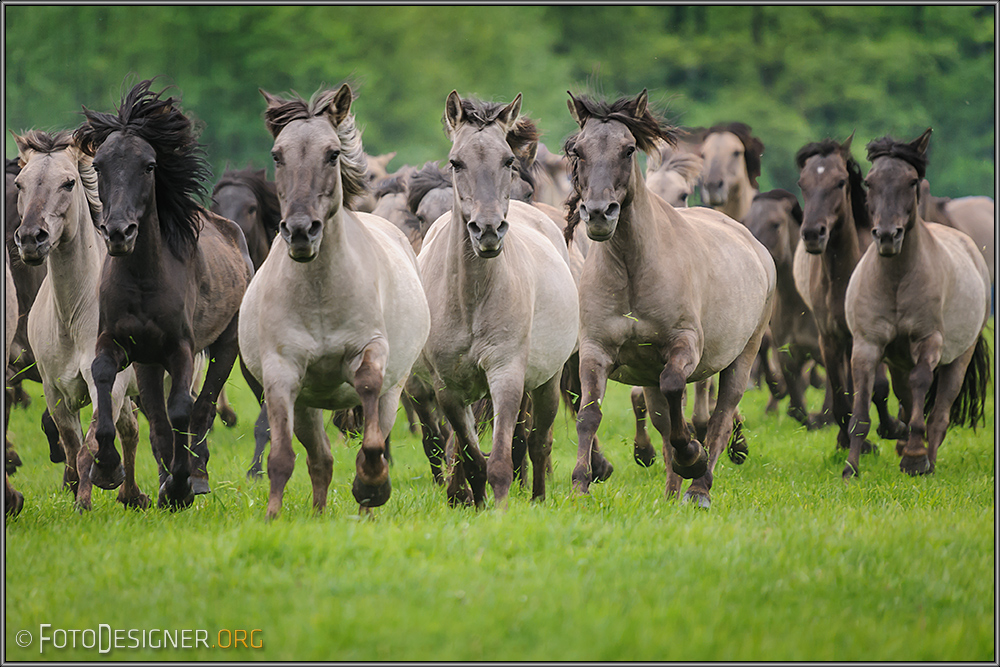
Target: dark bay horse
(919, 299)
(171, 285)
(667, 297)
(835, 231)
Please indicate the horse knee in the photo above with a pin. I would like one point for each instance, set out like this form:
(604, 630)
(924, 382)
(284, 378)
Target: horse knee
(179, 410)
(672, 381)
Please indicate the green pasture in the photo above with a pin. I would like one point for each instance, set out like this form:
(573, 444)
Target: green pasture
(789, 564)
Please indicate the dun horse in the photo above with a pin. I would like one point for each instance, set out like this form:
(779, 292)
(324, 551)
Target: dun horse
(504, 311)
(919, 299)
(336, 315)
(668, 296)
(58, 201)
(171, 285)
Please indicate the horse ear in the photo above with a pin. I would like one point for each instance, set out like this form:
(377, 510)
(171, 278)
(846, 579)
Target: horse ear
(272, 100)
(341, 104)
(508, 116)
(846, 146)
(531, 152)
(641, 103)
(453, 114)
(22, 145)
(577, 110)
(921, 142)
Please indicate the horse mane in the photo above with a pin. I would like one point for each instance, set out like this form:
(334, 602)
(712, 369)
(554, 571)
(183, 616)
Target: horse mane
(753, 148)
(265, 191)
(181, 165)
(688, 165)
(353, 163)
(859, 196)
(648, 130)
(430, 177)
(45, 143)
(525, 167)
(12, 166)
(889, 147)
(390, 185)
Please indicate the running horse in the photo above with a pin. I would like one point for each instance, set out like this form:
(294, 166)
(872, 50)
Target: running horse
(919, 299)
(667, 297)
(171, 286)
(336, 315)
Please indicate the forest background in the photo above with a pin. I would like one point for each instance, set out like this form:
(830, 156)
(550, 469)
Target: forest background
(795, 74)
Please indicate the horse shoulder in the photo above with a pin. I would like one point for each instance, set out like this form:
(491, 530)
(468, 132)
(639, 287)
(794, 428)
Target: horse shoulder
(541, 222)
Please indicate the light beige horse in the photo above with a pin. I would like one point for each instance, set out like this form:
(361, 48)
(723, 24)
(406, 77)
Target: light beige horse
(504, 312)
(668, 296)
(920, 299)
(58, 202)
(976, 216)
(336, 315)
(676, 178)
(732, 165)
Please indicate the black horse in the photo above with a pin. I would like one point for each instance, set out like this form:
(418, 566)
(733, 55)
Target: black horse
(171, 286)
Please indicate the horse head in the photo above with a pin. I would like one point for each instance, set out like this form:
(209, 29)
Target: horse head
(894, 188)
(830, 180)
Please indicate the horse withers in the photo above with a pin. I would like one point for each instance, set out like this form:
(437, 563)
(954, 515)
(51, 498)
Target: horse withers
(919, 299)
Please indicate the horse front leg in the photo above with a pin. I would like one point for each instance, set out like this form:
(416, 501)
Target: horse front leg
(107, 471)
(927, 353)
(889, 428)
(71, 435)
(837, 361)
(660, 416)
(176, 492)
(865, 356)
(595, 367)
(689, 459)
(129, 494)
(642, 449)
(371, 480)
(422, 398)
(544, 407)
(506, 390)
(281, 381)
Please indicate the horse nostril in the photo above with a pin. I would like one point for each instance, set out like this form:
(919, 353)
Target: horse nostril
(502, 229)
(898, 233)
(475, 229)
(41, 236)
(612, 210)
(315, 228)
(131, 230)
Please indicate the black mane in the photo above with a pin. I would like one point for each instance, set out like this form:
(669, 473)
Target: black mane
(889, 147)
(181, 166)
(430, 177)
(265, 191)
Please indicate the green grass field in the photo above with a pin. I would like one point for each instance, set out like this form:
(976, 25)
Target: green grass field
(789, 564)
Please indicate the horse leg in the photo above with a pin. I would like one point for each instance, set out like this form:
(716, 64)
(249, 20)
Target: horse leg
(660, 417)
(544, 407)
(506, 392)
(927, 353)
(865, 357)
(519, 441)
(371, 480)
(595, 366)
(260, 428)
(127, 425)
(642, 449)
(71, 435)
(57, 453)
(107, 471)
(791, 369)
(308, 426)
(225, 410)
(176, 492)
(410, 409)
(889, 428)
(839, 374)
(281, 385)
(149, 378)
(689, 459)
(468, 460)
(422, 399)
(950, 379)
(701, 414)
(901, 387)
(12, 499)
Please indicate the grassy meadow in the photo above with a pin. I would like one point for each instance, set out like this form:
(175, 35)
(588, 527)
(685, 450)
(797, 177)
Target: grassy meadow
(789, 564)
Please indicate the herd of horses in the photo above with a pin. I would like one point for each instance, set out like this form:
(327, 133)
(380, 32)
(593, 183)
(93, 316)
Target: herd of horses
(484, 291)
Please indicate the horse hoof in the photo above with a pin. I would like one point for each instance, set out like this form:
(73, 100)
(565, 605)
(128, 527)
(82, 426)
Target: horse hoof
(894, 430)
(915, 465)
(461, 498)
(696, 469)
(699, 499)
(107, 479)
(867, 447)
(369, 495)
(254, 475)
(850, 472)
(199, 485)
(15, 503)
(167, 500)
(602, 469)
(139, 502)
(228, 418)
(644, 455)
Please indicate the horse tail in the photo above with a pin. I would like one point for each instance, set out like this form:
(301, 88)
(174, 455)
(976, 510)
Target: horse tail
(969, 406)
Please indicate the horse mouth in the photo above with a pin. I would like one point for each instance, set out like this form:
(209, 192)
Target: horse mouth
(814, 247)
(488, 253)
(119, 249)
(600, 234)
(33, 257)
(888, 249)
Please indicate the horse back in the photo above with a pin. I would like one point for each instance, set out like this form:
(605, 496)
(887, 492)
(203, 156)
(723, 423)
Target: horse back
(223, 272)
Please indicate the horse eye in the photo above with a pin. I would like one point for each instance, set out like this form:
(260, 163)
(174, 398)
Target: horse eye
(684, 197)
(629, 151)
(455, 164)
(68, 185)
(841, 183)
(253, 210)
(509, 162)
(150, 167)
(736, 153)
(17, 184)
(332, 157)
(276, 156)
(914, 183)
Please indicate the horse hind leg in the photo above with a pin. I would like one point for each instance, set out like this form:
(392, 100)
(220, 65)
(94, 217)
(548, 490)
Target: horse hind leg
(732, 383)
(642, 449)
(689, 459)
(544, 407)
(308, 426)
(467, 463)
(889, 428)
(371, 481)
(951, 383)
(261, 429)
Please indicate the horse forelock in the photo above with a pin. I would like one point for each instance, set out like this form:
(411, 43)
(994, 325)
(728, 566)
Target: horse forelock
(889, 147)
(44, 142)
(647, 128)
(181, 165)
(688, 165)
(390, 185)
(88, 179)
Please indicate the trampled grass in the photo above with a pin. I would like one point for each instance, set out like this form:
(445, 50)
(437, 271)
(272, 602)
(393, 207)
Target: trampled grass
(788, 564)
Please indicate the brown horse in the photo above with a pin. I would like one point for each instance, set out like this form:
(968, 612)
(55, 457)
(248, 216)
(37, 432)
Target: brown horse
(919, 299)
(171, 285)
(835, 231)
(775, 218)
(13, 500)
(668, 296)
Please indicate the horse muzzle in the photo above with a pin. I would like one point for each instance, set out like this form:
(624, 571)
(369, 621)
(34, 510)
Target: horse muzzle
(814, 239)
(303, 236)
(714, 194)
(32, 248)
(487, 239)
(601, 219)
(120, 239)
(889, 241)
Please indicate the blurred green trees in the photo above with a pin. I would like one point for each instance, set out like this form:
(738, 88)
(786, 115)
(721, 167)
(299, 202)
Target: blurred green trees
(795, 74)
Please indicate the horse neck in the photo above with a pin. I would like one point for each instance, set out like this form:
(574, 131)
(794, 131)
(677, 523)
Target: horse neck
(471, 272)
(843, 250)
(916, 239)
(74, 264)
(636, 225)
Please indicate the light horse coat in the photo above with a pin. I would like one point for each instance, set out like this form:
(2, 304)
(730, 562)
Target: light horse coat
(13, 499)
(504, 312)
(58, 202)
(919, 299)
(731, 155)
(336, 315)
(668, 296)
